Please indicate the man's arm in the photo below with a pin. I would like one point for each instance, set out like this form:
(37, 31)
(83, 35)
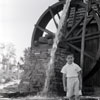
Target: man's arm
(64, 82)
(80, 79)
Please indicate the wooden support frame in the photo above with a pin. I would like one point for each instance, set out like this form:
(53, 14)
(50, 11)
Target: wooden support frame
(87, 39)
(78, 38)
(78, 23)
(74, 27)
(94, 69)
(88, 22)
(79, 50)
(83, 38)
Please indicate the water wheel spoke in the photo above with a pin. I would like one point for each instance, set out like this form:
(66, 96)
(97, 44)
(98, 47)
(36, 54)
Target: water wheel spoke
(78, 33)
(51, 12)
(88, 22)
(72, 29)
(87, 39)
(44, 30)
(79, 50)
(87, 36)
(94, 69)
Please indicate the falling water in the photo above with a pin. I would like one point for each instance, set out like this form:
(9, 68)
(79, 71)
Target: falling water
(58, 35)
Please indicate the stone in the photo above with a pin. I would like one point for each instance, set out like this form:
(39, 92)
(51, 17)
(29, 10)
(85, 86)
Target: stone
(43, 40)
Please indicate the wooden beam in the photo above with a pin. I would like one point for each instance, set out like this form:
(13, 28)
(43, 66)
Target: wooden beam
(74, 27)
(86, 24)
(87, 39)
(51, 12)
(79, 50)
(86, 36)
(44, 30)
(83, 39)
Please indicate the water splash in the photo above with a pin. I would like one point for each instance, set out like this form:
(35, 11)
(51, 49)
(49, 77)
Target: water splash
(50, 70)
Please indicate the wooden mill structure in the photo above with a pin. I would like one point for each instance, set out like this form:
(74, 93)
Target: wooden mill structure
(81, 35)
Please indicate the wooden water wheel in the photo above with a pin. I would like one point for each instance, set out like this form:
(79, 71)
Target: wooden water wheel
(81, 34)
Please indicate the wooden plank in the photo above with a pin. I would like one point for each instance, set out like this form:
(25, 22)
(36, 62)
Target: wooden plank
(74, 17)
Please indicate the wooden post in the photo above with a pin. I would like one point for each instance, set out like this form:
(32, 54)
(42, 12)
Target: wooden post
(83, 39)
(83, 43)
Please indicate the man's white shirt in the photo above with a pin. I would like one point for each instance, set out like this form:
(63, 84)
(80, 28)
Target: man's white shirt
(71, 70)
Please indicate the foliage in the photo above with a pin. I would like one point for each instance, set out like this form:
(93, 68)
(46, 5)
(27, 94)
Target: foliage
(8, 63)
